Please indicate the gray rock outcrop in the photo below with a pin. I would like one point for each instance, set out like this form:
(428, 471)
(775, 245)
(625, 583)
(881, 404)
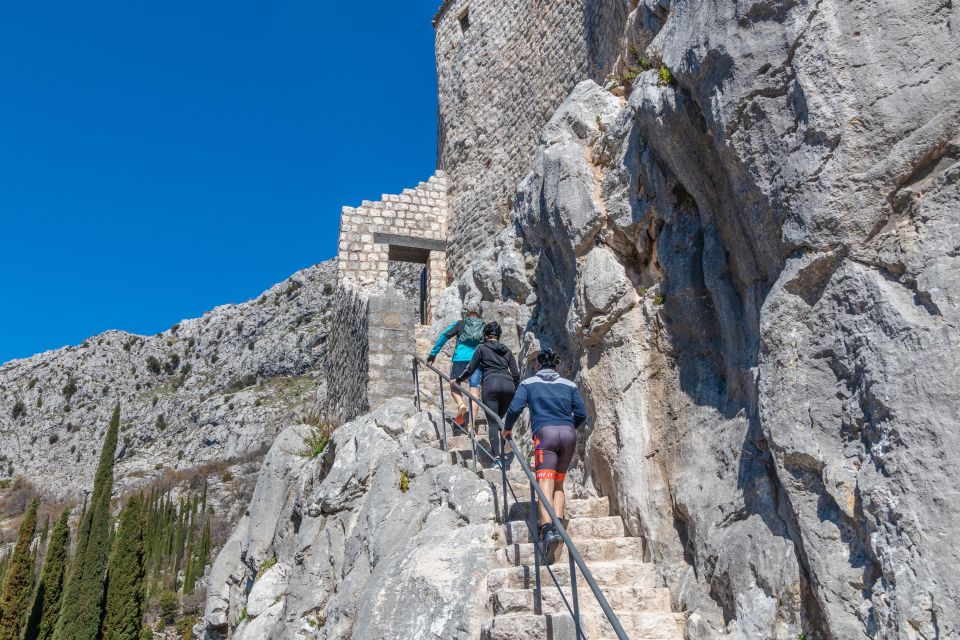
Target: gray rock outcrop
(378, 537)
(748, 256)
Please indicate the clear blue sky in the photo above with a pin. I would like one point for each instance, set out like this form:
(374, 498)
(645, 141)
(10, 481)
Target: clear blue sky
(160, 158)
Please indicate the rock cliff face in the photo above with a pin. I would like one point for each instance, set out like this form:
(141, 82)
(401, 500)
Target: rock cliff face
(748, 255)
(214, 388)
(378, 537)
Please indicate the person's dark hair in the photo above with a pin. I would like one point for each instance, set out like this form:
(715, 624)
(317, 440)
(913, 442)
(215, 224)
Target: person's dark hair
(548, 358)
(492, 329)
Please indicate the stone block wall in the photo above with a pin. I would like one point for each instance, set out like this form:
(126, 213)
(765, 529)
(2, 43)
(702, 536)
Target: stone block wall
(420, 212)
(374, 324)
(503, 67)
(347, 378)
(391, 338)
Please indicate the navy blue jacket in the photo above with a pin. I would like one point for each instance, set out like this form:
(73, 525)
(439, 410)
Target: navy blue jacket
(554, 401)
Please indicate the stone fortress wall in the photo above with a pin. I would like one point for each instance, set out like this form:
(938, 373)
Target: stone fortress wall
(375, 323)
(503, 67)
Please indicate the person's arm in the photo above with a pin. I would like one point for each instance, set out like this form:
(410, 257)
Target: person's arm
(450, 332)
(516, 408)
(579, 409)
(514, 370)
(474, 363)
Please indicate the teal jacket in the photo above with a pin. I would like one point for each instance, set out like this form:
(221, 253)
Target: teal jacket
(463, 352)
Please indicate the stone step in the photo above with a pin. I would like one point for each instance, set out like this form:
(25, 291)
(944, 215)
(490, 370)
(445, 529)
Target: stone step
(608, 574)
(591, 549)
(465, 457)
(575, 508)
(560, 626)
(509, 601)
(518, 531)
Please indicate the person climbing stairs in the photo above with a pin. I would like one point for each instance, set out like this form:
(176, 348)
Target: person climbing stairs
(612, 555)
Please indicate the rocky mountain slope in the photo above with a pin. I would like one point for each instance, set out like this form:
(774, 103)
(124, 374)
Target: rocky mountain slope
(214, 388)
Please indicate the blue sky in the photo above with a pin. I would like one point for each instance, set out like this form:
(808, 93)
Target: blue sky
(160, 158)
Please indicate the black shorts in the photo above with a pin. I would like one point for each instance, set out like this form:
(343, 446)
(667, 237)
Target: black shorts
(553, 449)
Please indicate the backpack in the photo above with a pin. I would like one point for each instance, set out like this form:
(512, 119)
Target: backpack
(471, 334)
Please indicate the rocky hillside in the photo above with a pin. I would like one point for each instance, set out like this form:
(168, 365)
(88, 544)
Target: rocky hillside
(378, 537)
(214, 388)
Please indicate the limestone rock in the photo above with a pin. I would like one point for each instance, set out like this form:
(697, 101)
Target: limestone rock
(372, 561)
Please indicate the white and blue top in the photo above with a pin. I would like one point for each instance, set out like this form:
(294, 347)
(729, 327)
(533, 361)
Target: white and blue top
(553, 401)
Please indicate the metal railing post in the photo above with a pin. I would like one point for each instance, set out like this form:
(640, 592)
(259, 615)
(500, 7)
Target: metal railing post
(416, 380)
(576, 599)
(471, 427)
(534, 525)
(503, 469)
(443, 413)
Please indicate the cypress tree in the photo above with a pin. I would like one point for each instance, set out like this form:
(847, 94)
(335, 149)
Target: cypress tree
(83, 597)
(126, 576)
(49, 593)
(18, 581)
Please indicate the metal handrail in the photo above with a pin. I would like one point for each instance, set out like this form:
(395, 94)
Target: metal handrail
(535, 493)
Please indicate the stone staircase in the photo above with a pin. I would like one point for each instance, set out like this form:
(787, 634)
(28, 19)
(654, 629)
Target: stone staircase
(613, 557)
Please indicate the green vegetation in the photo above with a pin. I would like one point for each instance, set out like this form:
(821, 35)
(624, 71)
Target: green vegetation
(317, 441)
(70, 388)
(18, 579)
(266, 566)
(83, 597)
(116, 578)
(327, 289)
(126, 576)
(161, 423)
(19, 409)
(404, 481)
(658, 299)
(153, 365)
(665, 76)
(172, 364)
(244, 381)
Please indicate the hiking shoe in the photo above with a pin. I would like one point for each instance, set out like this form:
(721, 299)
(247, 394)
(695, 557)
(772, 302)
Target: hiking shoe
(458, 420)
(551, 544)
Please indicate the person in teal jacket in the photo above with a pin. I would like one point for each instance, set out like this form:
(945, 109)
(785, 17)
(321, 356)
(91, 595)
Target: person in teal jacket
(469, 334)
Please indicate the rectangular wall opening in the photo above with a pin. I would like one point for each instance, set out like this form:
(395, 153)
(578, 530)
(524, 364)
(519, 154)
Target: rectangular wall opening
(407, 276)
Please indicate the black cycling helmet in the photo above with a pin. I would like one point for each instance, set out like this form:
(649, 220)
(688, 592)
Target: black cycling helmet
(492, 329)
(548, 358)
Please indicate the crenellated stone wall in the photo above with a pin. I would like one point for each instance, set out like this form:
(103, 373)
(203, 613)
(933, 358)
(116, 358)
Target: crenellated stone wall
(503, 67)
(374, 327)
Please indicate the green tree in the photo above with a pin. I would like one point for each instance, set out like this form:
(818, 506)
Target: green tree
(18, 581)
(126, 576)
(83, 597)
(49, 594)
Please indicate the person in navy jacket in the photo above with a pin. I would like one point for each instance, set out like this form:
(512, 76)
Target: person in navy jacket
(557, 410)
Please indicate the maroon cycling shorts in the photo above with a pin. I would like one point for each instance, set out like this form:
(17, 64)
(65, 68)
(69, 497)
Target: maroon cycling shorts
(553, 449)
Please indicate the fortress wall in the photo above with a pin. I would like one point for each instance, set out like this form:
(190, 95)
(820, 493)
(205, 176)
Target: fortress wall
(374, 326)
(499, 80)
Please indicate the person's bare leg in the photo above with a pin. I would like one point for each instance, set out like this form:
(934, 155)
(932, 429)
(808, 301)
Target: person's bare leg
(475, 392)
(546, 485)
(559, 500)
(457, 396)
